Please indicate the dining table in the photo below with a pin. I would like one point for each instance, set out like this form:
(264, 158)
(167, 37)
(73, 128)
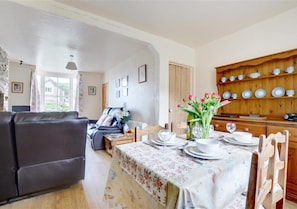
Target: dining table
(151, 175)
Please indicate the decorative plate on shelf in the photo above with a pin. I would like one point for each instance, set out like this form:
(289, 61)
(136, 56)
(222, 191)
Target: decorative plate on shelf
(226, 95)
(246, 94)
(278, 92)
(260, 93)
(289, 69)
(254, 75)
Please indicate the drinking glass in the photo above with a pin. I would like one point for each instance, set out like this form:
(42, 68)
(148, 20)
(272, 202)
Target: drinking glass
(231, 127)
(196, 131)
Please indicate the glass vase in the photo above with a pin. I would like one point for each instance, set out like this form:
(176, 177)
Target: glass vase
(203, 132)
(125, 128)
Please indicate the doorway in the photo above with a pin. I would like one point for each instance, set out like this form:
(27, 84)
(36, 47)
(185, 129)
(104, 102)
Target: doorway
(104, 96)
(180, 87)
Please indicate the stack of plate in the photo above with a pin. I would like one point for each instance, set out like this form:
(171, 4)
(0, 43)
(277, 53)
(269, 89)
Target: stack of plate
(164, 143)
(238, 141)
(195, 152)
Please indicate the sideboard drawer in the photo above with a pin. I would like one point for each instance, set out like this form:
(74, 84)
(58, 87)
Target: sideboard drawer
(255, 129)
(292, 131)
(219, 125)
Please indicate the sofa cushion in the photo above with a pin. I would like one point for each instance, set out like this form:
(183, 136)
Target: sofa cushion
(101, 120)
(107, 121)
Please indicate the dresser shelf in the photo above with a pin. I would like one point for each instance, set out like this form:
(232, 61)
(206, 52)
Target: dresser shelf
(272, 108)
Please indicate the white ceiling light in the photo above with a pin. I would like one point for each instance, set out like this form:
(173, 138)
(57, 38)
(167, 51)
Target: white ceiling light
(71, 65)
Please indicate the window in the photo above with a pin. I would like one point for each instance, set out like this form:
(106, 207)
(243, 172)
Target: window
(57, 92)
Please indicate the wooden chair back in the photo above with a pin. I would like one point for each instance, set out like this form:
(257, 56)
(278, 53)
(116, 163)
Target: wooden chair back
(179, 128)
(268, 174)
(153, 129)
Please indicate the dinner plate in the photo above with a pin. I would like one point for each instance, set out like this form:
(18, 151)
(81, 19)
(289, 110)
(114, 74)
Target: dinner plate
(194, 152)
(246, 94)
(278, 92)
(260, 93)
(159, 142)
(226, 95)
(253, 142)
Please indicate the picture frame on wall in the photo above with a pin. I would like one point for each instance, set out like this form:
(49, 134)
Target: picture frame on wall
(125, 81)
(17, 87)
(91, 90)
(117, 83)
(118, 93)
(125, 92)
(142, 74)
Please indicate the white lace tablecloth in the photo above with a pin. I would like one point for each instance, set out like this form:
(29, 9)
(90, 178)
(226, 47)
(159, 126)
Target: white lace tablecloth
(144, 177)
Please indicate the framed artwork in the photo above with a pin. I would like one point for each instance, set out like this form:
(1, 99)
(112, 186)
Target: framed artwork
(17, 87)
(125, 81)
(142, 74)
(125, 92)
(117, 83)
(91, 90)
(118, 93)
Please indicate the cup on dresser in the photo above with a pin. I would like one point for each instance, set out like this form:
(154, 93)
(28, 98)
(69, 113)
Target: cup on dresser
(290, 92)
(223, 79)
(240, 77)
(234, 96)
(276, 71)
(232, 78)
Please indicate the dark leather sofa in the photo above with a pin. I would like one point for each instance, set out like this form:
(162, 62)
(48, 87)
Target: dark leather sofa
(42, 151)
(8, 165)
(96, 132)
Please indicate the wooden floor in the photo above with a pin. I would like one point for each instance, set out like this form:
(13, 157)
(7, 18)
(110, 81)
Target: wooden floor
(87, 194)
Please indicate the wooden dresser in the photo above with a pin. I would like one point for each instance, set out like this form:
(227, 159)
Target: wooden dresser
(264, 98)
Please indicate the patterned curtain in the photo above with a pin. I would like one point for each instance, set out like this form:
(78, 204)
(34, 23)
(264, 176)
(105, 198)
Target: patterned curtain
(35, 94)
(79, 94)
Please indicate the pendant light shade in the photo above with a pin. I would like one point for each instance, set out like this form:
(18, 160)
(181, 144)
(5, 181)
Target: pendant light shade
(71, 65)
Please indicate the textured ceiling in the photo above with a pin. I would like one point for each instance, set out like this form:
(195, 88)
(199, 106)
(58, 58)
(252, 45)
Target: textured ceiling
(46, 40)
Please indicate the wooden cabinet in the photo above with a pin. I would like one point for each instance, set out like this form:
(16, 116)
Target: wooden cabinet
(270, 101)
(261, 102)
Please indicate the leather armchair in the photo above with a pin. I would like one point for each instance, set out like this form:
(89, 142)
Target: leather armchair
(50, 149)
(8, 167)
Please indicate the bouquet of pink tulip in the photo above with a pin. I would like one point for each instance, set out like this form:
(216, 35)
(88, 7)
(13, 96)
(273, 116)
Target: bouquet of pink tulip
(202, 110)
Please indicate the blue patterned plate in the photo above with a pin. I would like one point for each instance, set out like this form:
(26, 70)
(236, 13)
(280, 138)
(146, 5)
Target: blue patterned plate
(246, 94)
(226, 95)
(260, 93)
(278, 92)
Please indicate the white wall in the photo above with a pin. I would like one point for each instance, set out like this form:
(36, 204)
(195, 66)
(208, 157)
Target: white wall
(268, 37)
(92, 103)
(141, 96)
(19, 73)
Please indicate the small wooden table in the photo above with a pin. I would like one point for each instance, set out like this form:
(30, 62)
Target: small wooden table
(114, 139)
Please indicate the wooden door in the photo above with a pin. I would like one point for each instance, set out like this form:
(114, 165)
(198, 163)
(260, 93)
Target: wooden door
(180, 86)
(104, 96)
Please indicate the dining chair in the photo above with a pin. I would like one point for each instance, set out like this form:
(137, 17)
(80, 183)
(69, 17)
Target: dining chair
(146, 131)
(179, 128)
(268, 174)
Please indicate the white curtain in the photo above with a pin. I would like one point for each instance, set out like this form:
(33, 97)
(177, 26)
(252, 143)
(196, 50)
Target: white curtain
(35, 94)
(79, 94)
